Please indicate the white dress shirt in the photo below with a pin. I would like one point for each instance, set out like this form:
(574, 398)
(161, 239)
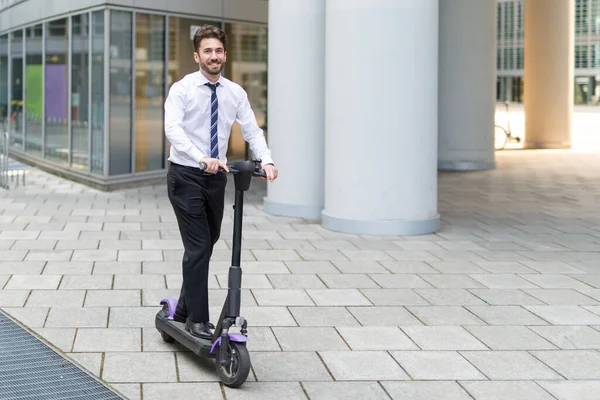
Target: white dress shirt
(187, 120)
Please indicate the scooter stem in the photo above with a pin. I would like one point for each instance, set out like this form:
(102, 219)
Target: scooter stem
(235, 272)
(243, 171)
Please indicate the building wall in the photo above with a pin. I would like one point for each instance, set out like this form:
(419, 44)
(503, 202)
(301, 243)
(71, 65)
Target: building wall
(83, 92)
(14, 13)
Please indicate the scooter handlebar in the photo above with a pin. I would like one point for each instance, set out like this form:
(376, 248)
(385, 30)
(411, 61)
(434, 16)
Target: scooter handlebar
(257, 172)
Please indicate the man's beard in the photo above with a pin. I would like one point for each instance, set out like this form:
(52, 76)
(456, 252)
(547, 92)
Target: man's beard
(206, 68)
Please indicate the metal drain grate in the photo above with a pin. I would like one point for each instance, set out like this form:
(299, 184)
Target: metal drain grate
(30, 369)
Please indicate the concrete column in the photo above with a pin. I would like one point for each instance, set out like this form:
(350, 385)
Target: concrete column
(381, 116)
(296, 107)
(467, 84)
(548, 77)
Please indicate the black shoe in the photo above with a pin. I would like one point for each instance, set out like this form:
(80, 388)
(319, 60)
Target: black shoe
(198, 329)
(179, 318)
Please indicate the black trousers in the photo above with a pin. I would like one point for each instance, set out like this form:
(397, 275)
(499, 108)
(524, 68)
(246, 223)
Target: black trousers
(198, 200)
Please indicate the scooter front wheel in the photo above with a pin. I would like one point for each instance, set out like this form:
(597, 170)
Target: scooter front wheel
(237, 366)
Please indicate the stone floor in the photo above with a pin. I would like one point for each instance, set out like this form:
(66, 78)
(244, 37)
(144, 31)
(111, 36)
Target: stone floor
(503, 303)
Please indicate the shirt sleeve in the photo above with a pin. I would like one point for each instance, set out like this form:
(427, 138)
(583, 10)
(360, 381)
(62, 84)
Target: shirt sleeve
(251, 131)
(174, 113)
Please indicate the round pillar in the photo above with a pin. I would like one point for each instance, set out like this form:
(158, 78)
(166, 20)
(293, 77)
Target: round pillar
(381, 116)
(467, 84)
(548, 75)
(296, 107)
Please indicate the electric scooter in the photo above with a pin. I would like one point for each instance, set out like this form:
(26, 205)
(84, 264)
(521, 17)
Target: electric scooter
(232, 360)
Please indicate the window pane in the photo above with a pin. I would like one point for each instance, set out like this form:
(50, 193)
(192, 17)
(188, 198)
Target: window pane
(98, 92)
(247, 66)
(56, 84)
(3, 77)
(120, 92)
(181, 49)
(79, 91)
(34, 86)
(498, 21)
(595, 18)
(149, 92)
(16, 89)
(499, 59)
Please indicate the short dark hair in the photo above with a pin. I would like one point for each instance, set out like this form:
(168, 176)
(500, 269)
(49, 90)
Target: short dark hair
(207, 32)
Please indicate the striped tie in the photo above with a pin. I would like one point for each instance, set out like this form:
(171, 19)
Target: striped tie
(214, 118)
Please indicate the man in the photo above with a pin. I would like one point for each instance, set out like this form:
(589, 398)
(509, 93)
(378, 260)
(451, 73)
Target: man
(199, 112)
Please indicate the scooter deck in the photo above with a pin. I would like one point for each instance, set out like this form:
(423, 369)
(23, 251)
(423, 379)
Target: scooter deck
(177, 331)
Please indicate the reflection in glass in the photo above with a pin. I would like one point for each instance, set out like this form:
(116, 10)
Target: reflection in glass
(56, 84)
(181, 49)
(79, 91)
(3, 78)
(149, 91)
(97, 166)
(247, 66)
(34, 87)
(16, 89)
(120, 92)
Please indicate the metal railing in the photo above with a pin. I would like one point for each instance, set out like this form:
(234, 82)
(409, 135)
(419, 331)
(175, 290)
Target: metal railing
(9, 174)
(4, 139)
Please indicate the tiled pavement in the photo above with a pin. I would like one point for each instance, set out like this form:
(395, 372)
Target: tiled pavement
(502, 303)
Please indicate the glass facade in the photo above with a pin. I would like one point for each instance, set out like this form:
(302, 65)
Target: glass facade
(181, 49)
(86, 92)
(510, 55)
(120, 92)
(56, 73)
(15, 83)
(34, 89)
(149, 92)
(3, 78)
(97, 94)
(247, 66)
(80, 80)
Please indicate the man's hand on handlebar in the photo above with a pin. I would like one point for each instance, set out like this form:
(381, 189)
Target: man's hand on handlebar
(213, 165)
(271, 172)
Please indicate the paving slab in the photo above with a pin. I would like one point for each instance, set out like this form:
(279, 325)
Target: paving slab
(445, 315)
(572, 364)
(572, 390)
(159, 391)
(289, 366)
(425, 390)
(509, 337)
(123, 367)
(310, 338)
(503, 302)
(341, 390)
(513, 390)
(266, 391)
(350, 366)
(437, 365)
(510, 365)
(443, 338)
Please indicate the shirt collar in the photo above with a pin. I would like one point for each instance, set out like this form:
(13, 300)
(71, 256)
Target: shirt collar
(201, 79)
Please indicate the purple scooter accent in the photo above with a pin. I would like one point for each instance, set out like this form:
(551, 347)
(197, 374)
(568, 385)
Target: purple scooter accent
(171, 305)
(234, 337)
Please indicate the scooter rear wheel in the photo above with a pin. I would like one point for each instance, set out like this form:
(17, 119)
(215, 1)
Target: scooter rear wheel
(235, 371)
(166, 337)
